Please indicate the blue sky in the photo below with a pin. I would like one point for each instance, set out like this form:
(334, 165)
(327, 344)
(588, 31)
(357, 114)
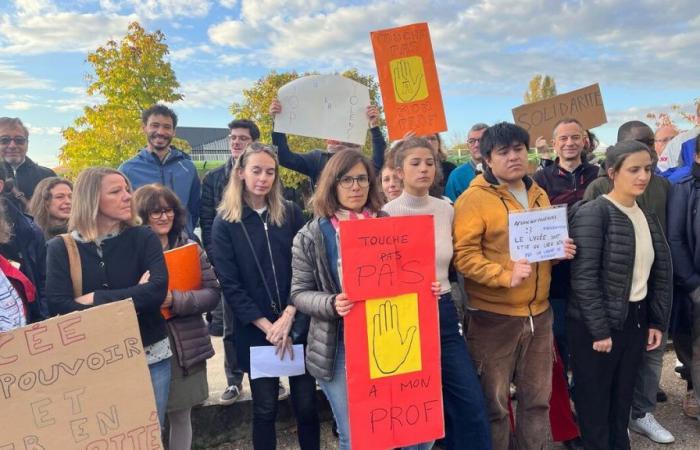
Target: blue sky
(644, 54)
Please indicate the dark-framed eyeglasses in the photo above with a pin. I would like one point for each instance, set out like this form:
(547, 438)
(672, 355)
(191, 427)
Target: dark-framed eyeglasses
(158, 213)
(19, 140)
(472, 141)
(346, 182)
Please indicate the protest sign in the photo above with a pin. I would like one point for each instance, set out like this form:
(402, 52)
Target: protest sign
(539, 118)
(538, 234)
(266, 363)
(78, 381)
(392, 338)
(408, 80)
(324, 106)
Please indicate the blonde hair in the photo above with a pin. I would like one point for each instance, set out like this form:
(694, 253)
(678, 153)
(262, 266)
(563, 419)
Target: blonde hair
(232, 202)
(39, 204)
(86, 202)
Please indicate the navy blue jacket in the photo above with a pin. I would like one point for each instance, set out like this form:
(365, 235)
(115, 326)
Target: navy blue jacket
(684, 239)
(177, 172)
(312, 163)
(28, 248)
(243, 287)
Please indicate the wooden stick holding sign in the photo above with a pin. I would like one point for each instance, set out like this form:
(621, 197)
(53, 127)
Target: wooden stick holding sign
(392, 338)
(538, 234)
(408, 80)
(539, 118)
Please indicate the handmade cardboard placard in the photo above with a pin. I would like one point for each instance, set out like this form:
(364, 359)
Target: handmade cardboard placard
(324, 106)
(408, 80)
(78, 381)
(392, 337)
(539, 118)
(538, 234)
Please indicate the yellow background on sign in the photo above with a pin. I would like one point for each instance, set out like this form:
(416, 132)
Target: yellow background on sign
(409, 80)
(393, 335)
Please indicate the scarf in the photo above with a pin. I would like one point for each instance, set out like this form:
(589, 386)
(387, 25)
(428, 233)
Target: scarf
(15, 290)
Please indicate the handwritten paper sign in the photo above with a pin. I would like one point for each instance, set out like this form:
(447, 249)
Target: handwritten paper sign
(324, 106)
(392, 338)
(78, 381)
(265, 362)
(539, 118)
(538, 235)
(408, 80)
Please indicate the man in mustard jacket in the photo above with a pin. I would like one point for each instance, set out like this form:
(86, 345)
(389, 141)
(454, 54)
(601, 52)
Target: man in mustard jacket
(509, 332)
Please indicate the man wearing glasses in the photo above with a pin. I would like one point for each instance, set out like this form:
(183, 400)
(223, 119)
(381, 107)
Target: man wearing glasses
(25, 173)
(459, 179)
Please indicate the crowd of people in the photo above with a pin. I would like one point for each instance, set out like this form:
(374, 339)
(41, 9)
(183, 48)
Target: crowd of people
(516, 338)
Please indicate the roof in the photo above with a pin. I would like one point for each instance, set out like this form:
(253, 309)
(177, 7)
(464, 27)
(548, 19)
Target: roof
(199, 137)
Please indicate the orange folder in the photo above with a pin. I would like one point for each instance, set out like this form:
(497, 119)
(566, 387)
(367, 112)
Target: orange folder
(184, 271)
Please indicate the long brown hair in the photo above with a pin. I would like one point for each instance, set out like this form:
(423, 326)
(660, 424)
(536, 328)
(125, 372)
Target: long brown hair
(325, 201)
(39, 204)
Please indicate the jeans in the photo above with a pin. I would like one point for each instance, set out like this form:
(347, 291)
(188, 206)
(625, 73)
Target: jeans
(303, 396)
(234, 375)
(336, 392)
(512, 348)
(605, 381)
(465, 408)
(160, 379)
(647, 385)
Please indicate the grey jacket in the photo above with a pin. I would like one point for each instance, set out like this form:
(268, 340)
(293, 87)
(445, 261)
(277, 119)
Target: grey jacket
(313, 293)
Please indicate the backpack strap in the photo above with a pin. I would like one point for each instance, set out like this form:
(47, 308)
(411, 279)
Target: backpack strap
(76, 270)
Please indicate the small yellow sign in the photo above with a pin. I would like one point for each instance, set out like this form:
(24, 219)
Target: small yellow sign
(408, 76)
(393, 335)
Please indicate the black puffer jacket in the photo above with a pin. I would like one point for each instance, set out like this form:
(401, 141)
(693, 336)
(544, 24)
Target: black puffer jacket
(601, 273)
(212, 190)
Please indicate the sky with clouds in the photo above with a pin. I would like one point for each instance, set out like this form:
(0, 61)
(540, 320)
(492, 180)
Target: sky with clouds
(644, 54)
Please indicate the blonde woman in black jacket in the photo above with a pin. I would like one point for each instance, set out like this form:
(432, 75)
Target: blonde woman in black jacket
(621, 284)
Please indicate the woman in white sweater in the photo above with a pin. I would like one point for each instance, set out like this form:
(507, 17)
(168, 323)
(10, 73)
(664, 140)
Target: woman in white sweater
(466, 419)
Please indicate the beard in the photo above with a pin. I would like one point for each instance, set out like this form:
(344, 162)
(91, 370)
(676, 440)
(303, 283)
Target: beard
(159, 147)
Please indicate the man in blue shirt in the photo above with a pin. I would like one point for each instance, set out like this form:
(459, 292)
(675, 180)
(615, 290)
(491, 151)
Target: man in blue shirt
(460, 178)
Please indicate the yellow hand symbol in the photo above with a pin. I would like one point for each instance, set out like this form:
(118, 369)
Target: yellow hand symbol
(407, 84)
(389, 348)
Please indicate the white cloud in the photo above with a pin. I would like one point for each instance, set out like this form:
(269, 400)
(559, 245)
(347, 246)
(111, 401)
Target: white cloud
(59, 32)
(230, 4)
(159, 9)
(13, 78)
(43, 131)
(187, 53)
(19, 105)
(211, 93)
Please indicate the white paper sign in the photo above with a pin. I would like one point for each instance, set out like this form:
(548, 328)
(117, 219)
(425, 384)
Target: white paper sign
(265, 363)
(324, 106)
(538, 235)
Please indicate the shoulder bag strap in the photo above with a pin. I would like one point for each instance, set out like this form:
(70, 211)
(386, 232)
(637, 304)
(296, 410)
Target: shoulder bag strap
(76, 270)
(275, 308)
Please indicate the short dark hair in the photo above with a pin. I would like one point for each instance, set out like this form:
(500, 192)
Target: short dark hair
(566, 120)
(615, 155)
(248, 124)
(150, 197)
(503, 134)
(624, 133)
(159, 110)
(325, 201)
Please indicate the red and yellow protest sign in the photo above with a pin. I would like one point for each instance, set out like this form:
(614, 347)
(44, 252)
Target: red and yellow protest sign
(408, 80)
(392, 337)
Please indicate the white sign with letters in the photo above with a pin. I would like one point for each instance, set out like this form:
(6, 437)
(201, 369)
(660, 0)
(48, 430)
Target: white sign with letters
(538, 234)
(324, 106)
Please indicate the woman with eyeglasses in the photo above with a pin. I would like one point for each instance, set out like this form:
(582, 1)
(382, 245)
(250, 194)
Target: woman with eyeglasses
(252, 247)
(119, 260)
(347, 190)
(466, 420)
(160, 209)
(51, 205)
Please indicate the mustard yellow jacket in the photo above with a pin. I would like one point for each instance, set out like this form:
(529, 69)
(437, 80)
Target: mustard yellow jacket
(482, 252)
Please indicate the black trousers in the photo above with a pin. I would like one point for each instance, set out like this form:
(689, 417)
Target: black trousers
(303, 396)
(604, 382)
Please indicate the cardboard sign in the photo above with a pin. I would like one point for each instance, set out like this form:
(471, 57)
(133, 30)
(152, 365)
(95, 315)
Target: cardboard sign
(539, 118)
(324, 106)
(392, 337)
(184, 270)
(78, 381)
(538, 234)
(408, 80)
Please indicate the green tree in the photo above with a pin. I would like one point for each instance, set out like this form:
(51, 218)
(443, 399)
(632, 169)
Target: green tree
(540, 88)
(256, 102)
(129, 75)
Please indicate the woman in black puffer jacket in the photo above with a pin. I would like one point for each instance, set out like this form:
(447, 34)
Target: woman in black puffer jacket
(621, 284)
